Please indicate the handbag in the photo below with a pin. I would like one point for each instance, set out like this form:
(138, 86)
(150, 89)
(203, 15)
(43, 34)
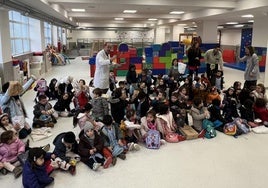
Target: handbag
(171, 137)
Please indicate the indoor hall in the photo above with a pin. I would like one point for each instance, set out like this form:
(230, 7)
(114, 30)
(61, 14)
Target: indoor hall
(221, 162)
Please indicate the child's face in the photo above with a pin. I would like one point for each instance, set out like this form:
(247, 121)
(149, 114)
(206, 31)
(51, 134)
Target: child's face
(231, 92)
(68, 145)
(174, 98)
(161, 82)
(43, 101)
(65, 96)
(13, 138)
(5, 121)
(133, 118)
(183, 91)
(160, 96)
(150, 117)
(112, 74)
(90, 133)
(201, 105)
(40, 161)
(258, 89)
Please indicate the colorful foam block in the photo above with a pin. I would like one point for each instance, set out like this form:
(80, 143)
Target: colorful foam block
(156, 47)
(135, 60)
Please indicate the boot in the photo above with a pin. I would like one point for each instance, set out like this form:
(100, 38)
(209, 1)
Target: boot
(4, 171)
(17, 171)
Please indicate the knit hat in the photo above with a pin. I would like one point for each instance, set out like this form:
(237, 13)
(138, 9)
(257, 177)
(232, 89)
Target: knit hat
(88, 126)
(69, 137)
(2, 115)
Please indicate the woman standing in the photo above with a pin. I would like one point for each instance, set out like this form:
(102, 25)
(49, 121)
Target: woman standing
(194, 56)
(252, 72)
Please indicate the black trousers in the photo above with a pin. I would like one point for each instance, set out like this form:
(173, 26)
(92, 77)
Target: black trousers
(210, 72)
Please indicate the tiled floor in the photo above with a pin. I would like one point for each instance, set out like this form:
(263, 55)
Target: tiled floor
(222, 162)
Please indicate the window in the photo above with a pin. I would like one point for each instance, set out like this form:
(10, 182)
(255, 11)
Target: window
(48, 33)
(19, 33)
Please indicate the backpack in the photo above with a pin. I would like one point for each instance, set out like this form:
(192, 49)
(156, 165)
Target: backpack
(152, 140)
(209, 127)
(230, 129)
(41, 86)
(242, 125)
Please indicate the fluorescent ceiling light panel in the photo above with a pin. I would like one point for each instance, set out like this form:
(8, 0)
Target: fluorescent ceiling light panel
(182, 24)
(251, 21)
(152, 19)
(78, 10)
(220, 27)
(231, 23)
(130, 11)
(118, 19)
(239, 25)
(247, 16)
(176, 12)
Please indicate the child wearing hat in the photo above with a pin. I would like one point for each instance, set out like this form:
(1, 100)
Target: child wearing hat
(66, 151)
(90, 148)
(5, 124)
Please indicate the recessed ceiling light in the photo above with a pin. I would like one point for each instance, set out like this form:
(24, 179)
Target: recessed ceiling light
(251, 21)
(239, 25)
(152, 19)
(78, 10)
(220, 27)
(176, 12)
(130, 11)
(118, 19)
(247, 16)
(231, 23)
(182, 24)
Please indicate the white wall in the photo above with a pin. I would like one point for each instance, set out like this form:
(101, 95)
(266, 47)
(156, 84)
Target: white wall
(260, 28)
(35, 34)
(110, 35)
(231, 37)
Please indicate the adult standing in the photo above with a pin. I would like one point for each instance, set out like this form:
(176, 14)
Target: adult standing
(194, 56)
(214, 61)
(252, 72)
(103, 64)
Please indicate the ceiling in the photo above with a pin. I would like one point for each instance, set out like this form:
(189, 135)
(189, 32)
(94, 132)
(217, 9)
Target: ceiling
(101, 13)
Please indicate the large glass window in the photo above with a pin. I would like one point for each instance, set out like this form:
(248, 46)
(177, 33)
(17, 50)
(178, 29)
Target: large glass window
(48, 33)
(19, 33)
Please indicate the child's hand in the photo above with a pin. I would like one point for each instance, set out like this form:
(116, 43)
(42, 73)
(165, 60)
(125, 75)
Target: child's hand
(1, 165)
(53, 156)
(120, 142)
(17, 126)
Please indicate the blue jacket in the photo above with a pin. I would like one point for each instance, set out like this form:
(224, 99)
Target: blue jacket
(60, 148)
(35, 178)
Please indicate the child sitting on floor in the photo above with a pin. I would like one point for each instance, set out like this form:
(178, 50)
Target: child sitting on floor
(113, 138)
(37, 169)
(5, 124)
(65, 152)
(44, 114)
(99, 105)
(90, 148)
(10, 147)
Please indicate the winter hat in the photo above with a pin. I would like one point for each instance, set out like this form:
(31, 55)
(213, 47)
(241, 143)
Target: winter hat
(69, 137)
(3, 115)
(88, 126)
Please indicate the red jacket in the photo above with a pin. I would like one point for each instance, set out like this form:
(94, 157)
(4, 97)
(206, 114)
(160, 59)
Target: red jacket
(261, 113)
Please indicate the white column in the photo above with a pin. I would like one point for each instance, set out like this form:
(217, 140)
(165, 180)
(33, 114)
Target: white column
(176, 31)
(5, 44)
(260, 36)
(160, 35)
(207, 30)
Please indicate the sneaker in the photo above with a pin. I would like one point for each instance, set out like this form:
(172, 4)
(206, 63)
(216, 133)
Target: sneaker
(202, 134)
(17, 171)
(96, 166)
(114, 161)
(162, 142)
(130, 146)
(46, 148)
(4, 171)
(137, 147)
(72, 169)
(108, 162)
(122, 156)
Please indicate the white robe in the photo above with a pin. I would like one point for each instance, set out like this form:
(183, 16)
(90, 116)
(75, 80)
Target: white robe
(101, 76)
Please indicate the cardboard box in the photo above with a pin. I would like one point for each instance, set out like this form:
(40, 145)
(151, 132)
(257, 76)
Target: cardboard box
(189, 132)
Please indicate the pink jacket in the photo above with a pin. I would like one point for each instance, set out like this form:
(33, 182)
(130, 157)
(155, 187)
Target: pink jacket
(9, 152)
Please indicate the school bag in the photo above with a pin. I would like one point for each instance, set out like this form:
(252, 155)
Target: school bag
(209, 127)
(230, 129)
(242, 125)
(152, 140)
(42, 86)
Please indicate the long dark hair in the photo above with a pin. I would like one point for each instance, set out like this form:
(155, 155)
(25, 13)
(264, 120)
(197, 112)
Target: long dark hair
(251, 50)
(34, 154)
